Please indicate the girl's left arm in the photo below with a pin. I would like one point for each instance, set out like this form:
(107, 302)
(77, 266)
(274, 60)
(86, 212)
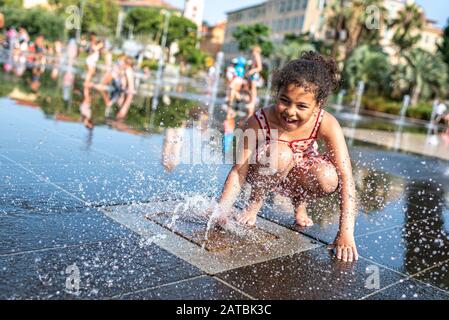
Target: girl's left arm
(331, 132)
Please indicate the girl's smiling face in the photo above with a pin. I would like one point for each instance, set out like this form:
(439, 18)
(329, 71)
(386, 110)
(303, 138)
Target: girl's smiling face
(295, 106)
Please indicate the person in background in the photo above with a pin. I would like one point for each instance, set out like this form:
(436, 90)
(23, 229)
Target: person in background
(38, 61)
(57, 59)
(440, 112)
(23, 35)
(110, 87)
(253, 76)
(236, 81)
(229, 127)
(92, 60)
(129, 89)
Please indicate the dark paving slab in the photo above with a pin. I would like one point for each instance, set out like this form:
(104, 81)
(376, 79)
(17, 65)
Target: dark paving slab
(436, 227)
(327, 220)
(410, 290)
(93, 172)
(399, 205)
(25, 230)
(37, 197)
(312, 274)
(68, 153)
(401, 164)
(438, 276)
(404, 249)
(106, 269)
(203, 288)
(11, 175)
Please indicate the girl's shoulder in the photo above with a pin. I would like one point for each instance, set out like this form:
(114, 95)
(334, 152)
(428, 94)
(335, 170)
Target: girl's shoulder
(267, 111)
(259, 116)
(329, 124)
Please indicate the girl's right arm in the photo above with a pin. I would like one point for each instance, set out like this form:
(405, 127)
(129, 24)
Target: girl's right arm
(237, 176)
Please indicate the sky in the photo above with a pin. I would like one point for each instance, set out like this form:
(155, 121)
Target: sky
(215, 10)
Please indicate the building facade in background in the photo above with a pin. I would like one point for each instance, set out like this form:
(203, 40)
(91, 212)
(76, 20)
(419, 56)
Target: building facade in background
(310, 16)
(431, 35)
(282, 16)
(212, 38)
(127, 5)
(194, 11)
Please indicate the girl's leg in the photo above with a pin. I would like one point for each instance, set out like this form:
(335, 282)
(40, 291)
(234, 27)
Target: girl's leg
(262, 181)
(301, 217)
(321, 179)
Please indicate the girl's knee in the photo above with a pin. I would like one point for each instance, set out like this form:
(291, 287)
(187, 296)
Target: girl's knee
(327, 179)
(280, 158)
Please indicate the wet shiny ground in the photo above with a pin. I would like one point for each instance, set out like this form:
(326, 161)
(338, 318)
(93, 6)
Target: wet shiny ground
(57, 179)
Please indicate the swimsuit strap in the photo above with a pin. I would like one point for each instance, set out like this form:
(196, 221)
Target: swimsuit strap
(317, 125)
(263, 123)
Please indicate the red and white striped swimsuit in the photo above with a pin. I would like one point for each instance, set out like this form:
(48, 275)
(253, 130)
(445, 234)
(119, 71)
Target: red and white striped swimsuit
(305, 151)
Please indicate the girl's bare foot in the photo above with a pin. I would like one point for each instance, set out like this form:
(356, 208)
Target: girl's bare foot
(248, 217)
(249, 214)
(301, 216)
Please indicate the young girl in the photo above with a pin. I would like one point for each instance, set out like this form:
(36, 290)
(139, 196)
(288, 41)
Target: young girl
(289, 131)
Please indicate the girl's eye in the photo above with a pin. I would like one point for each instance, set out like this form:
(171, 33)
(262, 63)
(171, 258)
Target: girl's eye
(301, 106)
(285, 101)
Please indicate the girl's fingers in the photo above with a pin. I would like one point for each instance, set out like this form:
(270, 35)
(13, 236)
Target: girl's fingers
(345, 254)
(339, 249)
(350, 255)
(356, 254)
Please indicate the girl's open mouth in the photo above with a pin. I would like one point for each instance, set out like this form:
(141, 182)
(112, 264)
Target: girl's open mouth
(288, 121)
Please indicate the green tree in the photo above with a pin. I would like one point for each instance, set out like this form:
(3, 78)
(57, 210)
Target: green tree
(11, 3)
(423, 76)
(37, 21)
(252, 35)
(307, 39)
(98, 16)
(407, 27)
(189, 53)
(291, 48)
(368, 64)
(145, 21)
(443, 48)
(150, 22)
(360, 21)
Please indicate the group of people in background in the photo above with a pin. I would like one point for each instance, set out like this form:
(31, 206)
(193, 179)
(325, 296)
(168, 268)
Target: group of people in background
(114, 78)
(25, 54)
(243, 78)
(115, 82)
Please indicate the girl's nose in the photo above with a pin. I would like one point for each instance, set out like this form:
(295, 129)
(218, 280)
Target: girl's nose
(291, 111)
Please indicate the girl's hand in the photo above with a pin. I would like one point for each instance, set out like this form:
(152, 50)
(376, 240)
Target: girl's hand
(345, 248)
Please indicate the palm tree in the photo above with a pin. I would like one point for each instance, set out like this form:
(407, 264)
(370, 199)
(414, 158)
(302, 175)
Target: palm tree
(359, 26)
(356, 20)
(407, 25)
(424, 73)
(291, 50)
(370, 65)
(251, 35)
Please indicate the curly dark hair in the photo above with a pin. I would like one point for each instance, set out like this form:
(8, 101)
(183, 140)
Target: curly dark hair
(313, 71)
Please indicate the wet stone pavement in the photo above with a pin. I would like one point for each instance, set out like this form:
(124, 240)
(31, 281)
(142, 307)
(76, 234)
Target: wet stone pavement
(61, 185)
